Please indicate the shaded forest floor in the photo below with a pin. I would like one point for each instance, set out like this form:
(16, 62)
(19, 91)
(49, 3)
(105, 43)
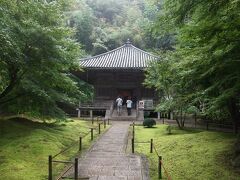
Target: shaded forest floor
(25, 146)
(189, 154)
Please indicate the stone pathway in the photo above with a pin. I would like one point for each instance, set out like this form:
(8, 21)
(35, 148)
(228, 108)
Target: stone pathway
(107, 159)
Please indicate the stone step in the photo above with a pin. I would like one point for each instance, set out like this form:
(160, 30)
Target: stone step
(115, 178)
(123, 119)
(109, 178)
(124, 116)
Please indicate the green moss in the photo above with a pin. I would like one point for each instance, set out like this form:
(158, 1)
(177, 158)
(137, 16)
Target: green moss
(189, 154)
(25, 146)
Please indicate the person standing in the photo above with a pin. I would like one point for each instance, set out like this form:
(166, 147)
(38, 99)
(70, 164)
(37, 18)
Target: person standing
(119, 102)
(134, 100)
(129, 106)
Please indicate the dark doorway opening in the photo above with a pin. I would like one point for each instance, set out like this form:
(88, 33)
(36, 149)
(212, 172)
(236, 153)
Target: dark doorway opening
(124, 94)
(99, 113)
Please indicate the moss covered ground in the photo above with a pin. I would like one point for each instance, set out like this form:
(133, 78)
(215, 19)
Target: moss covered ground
(189, 154)
(25, 146)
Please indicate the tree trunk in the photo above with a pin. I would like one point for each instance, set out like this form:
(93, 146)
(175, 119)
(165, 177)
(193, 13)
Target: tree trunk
(234, 111)
(178, 122)
(181, 117)
(195, 120)
(13, 74)
(184, 118)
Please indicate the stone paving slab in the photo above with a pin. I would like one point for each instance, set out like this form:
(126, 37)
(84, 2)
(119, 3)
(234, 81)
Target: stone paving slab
(107, 160)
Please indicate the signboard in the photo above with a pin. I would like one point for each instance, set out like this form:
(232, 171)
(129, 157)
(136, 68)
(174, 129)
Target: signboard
(141, 105)
(148, 104)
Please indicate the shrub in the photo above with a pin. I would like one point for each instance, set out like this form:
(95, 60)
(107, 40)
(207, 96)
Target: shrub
(146, 114)
(169, 129)
(149, 122)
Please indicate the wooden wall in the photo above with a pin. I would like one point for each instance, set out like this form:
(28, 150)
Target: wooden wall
(108, 83)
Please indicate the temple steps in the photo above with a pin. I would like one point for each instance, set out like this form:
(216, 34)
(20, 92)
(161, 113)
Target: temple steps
(124, 116)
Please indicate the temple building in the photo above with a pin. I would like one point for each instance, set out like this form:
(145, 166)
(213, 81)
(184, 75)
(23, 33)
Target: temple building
(119, 72)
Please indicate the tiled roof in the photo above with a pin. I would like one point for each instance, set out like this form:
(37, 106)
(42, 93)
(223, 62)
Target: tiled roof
(124, 57)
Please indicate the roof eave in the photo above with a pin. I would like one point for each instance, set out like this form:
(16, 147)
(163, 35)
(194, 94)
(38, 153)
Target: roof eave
(114, 68)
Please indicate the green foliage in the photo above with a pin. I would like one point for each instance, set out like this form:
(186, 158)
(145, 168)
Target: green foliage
(105, 25)
(204, 68)
(169, 129)
(149, 122)
(146, 114)
(37, 53)
(83, 20)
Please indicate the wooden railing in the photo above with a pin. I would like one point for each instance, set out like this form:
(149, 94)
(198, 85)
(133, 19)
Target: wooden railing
(97, 104)
(112, 108)
(137, 110)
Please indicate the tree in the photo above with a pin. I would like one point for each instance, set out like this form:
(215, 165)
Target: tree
(81, 17)
(165, 77)
(207, 34)
(37, 53)
(105, 25)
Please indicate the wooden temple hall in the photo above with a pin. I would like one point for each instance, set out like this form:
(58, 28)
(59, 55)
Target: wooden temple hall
(119, 72)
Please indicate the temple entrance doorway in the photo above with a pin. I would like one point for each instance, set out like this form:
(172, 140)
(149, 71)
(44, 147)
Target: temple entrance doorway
(125, 93)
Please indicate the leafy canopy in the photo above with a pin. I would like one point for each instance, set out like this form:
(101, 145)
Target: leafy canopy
(37, 53)
(206, 57)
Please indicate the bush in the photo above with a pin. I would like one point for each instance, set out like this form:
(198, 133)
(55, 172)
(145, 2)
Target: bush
(169, 129)
(146, 114)
(149, 122)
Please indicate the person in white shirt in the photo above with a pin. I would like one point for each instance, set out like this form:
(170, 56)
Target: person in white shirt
(129, 106)
(119, 102)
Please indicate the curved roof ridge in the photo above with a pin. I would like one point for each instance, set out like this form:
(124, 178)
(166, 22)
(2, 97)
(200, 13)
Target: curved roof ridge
(125, 56)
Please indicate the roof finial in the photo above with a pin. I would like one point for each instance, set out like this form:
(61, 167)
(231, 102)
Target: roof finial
(128, 42)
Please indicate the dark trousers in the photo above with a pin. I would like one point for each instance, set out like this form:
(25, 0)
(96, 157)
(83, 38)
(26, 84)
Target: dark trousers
(129, 111)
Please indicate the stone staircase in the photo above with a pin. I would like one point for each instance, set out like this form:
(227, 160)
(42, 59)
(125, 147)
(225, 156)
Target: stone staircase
(124, 116)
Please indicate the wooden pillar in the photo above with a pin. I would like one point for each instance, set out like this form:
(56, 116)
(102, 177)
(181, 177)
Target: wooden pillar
(78, 109)
(171, 115)
(79, 113)
(91, 113)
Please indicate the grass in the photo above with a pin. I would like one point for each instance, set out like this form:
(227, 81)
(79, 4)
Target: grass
(189, 154)
(25, 146)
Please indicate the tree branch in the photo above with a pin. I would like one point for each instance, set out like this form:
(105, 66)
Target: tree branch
(13, 73)
(11, 99)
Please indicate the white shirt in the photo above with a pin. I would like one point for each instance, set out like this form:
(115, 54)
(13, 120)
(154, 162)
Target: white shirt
(129, 103)
(119, 101)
